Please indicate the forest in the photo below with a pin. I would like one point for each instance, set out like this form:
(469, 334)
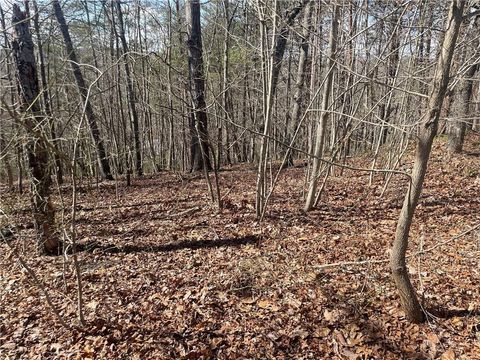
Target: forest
(240, 179)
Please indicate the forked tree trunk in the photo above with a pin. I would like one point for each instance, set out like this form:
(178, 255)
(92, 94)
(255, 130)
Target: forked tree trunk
(37, 146)
(428, 130)
(83, 89)
(198, 120)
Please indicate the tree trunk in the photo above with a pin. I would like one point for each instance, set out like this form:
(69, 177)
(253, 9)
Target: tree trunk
(456, 133)
(83, 89)
(298, 95)
(130, 92)
(6, 157)
(428, 130)
(226, 93)
(321, 129)
(392, 69)
(46, 96)
(37, 146)
(171, 117)
(198, 119)
(279, 45)
(18, 146)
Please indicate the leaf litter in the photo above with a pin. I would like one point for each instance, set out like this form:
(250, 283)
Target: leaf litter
(165, 276)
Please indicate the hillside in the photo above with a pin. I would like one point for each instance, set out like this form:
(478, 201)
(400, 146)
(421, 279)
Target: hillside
(166, 276)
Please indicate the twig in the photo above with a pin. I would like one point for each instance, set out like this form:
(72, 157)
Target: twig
(383, 261)
(182, 213)
(38, 284)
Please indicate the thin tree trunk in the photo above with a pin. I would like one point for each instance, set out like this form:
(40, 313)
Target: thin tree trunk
(428, 130)
(314, 69)
(130, 92)
(298, 95)
(18, 146)
(321, 129)
(6, 157)
(226, 93)
(456, 133)
(46, 96)
(83, 89)
(278, 50)
(171, 143)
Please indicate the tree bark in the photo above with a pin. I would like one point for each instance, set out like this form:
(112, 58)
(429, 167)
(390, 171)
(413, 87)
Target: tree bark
(6, 157)
(427, 132)
(46, 96)
(10, 81)
(198, 120)
(83, 89)
(298, 95)
(456, 133)
(37, 146)
(279, 45)
(130, 92)
(321, 129)
(171, 142)
(226, 93)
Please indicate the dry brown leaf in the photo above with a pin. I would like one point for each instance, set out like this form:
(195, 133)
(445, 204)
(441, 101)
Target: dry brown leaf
(266, 304)
(433, 338)
(448, 355)
(322, 332)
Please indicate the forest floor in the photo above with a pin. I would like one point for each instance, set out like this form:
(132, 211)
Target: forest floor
(166, 277)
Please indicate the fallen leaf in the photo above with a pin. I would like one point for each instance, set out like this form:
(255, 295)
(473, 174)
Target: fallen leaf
(433, 338)
(92, 305)
(266, 304)
(322, 332)
(448, 355)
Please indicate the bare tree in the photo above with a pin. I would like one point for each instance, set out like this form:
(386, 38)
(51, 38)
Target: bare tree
(3, 127)
(83, 89)
(226, 92)
(46, 94)
(299, 89)
(427, 131)
(130, 91)
(462, 102)
(270, 86)
(321, 128)
(18, 147)
(37, 146)
(198, 122)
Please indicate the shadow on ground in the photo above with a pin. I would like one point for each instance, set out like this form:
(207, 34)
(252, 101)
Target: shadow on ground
(444, 313)
(180, 245)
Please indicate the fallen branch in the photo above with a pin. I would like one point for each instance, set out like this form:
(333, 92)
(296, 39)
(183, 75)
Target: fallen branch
(182, 213)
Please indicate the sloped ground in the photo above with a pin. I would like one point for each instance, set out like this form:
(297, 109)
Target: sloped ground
(164, 276)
